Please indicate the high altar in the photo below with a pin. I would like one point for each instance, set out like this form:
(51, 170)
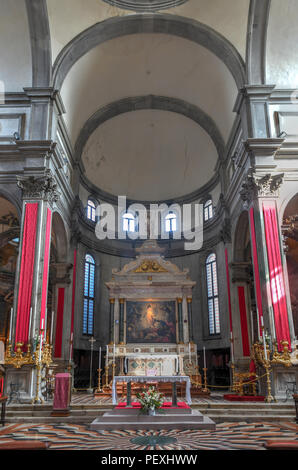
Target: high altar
(151, 324)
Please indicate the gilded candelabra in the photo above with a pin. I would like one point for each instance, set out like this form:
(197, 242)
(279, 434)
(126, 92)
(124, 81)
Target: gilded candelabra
(39, 358)
(19, 358)
(261, 353)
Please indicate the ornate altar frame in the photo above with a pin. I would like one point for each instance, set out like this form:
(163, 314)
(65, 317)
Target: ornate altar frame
(151, 278)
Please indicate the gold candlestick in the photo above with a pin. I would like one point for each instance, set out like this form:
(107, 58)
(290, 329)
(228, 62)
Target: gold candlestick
(205, 388)
(269, 398)
(99, 389)
(234, 388)
(106, 386)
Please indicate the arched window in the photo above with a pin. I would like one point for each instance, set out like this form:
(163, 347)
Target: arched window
(212, 295)
(91, 210)
(89, 281)
(208, 210)
(171, 222)
(129, 222)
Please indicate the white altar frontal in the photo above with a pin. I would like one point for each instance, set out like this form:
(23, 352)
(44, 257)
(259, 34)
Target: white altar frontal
(150, 318)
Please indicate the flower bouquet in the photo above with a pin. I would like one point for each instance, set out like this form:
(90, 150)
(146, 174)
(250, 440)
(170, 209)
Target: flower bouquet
(150, 401)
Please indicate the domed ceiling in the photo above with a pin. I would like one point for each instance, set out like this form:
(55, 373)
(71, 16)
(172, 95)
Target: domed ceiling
(152, 154)
(149, 152)
(145, 5)
(149, 155)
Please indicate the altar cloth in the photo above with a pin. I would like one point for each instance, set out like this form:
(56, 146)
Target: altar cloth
(62, 392)
(144, 379)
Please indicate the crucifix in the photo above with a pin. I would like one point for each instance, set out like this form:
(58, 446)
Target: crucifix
(92, 341)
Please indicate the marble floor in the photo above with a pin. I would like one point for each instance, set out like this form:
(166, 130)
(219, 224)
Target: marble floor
(227, 436)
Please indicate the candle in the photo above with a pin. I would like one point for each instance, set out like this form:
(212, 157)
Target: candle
(252, 326)
(70, 350)
(107, 355)
(29, 330)
(46, 318)
(189, 351)
(232, 348)
(258, 326)
(10, 325)
(99, 360)
(204, 350)
(265, 348)
(52, 328)
(40, 346)
(114, 354)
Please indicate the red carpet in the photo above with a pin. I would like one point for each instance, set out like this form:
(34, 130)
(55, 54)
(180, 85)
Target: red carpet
(166, 405)
(232, 397)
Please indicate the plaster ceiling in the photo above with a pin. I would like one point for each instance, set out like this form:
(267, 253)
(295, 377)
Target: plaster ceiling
(149, 155)
(143, 64)
(228, 17)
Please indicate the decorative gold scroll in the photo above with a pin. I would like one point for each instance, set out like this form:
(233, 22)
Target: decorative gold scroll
(150, 266)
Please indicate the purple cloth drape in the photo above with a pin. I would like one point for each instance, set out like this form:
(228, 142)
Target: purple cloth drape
(62, 391)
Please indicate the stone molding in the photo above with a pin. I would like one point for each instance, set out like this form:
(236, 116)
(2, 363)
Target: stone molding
(262, 186)
(39, 187)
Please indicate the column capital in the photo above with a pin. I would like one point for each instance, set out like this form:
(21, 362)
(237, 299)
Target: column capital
(42, 187)
(256, 185)
(121, 301)
(189, 300)
(112, 301)
(179, 300)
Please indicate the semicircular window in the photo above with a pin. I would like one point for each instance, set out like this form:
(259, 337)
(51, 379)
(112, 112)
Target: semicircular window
(145, 5)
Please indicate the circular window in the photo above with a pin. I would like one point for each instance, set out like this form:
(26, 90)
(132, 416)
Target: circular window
(145, 5)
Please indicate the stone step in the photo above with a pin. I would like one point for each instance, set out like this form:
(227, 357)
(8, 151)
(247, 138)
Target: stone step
(171, 418)
(196, 421)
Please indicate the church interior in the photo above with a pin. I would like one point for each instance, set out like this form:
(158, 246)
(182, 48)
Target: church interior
(148, 278)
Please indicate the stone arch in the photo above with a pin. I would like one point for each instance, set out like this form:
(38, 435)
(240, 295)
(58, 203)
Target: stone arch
(256, 41)
(59, 238)
(40, 42)
(150, 23)
(242, 239)
(162, 103)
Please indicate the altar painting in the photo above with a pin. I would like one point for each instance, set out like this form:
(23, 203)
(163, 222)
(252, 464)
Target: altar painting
(151, 322)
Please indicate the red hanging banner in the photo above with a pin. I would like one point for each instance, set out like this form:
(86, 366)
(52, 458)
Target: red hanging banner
(243, 321)
(26, 273)
(59, 322)
(46, 261)
(276, 274)
(256, 269)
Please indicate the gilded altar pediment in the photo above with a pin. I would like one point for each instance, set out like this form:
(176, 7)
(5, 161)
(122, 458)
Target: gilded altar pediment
(150, 266)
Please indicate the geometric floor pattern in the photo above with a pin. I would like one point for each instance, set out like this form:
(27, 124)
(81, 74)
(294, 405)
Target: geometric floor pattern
(227, 436)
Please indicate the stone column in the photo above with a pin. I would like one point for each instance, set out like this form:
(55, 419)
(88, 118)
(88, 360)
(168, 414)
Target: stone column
(31, 286)
(112, 321)
(121, 321)
(180, 321)
(260, 187)
(41, 192)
